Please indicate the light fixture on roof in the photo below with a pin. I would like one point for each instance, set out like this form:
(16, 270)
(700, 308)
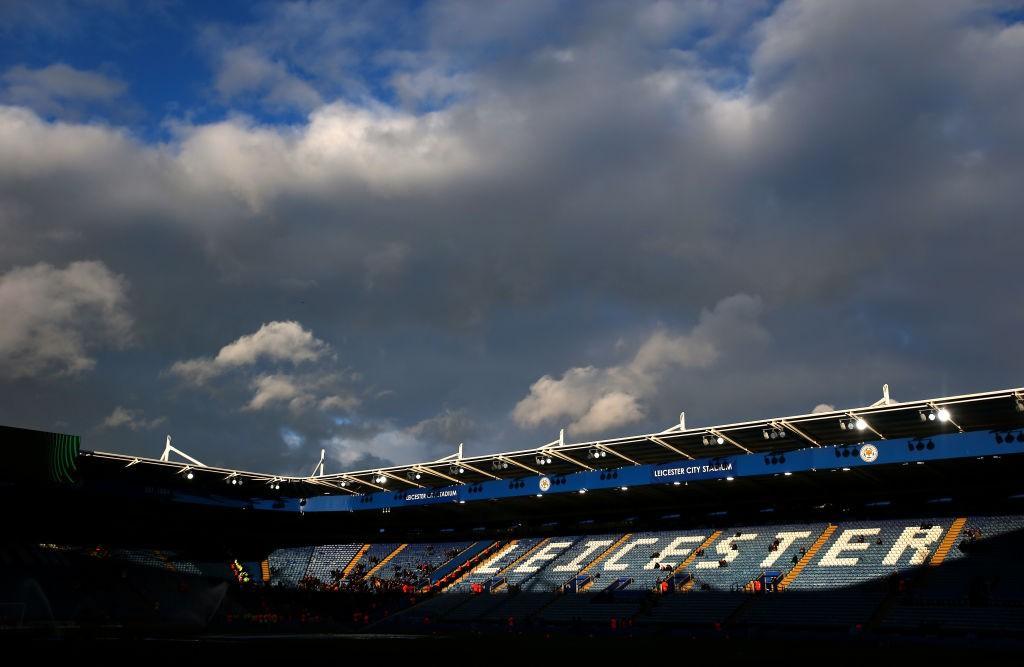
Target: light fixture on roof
(189, 475)
(1019, 404)
(774, 433)
(412, 475)
(543, 460)
(713, 440)
(853, 423)
(596, 453)
(498, 464)
(381, 479)
(941, 414)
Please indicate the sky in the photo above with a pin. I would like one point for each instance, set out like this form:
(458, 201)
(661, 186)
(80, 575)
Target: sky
(383, 229)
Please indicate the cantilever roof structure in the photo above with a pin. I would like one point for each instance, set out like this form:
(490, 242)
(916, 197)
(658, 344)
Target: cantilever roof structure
(994, 410)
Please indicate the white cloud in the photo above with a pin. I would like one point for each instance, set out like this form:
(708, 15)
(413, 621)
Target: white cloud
(596, 399)
(611, 410)
(301, 393)
(277, 345)
(54, 318)
(134, 420)
(275, 341)
(823, 407)
(270, 389)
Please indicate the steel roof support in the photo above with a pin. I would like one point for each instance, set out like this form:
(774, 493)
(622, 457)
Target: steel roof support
(517, 463)
(658, 441)
(476, 470)
(169, 449)
(389, 475)
(789, 426)
(871, 428)
(936, 407)
(606, 448)
(431, 471)
(718, 434)
(566, 457)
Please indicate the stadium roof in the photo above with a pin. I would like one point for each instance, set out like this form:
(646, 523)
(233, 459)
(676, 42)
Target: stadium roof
(883, 420)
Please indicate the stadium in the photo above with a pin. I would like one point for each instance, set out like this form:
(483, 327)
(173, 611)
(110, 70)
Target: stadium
(494, 331)
(895, 521)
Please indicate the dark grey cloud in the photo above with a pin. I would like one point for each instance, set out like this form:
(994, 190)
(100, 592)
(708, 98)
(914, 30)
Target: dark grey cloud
(482, 213)
(55, 318)
(59, 90)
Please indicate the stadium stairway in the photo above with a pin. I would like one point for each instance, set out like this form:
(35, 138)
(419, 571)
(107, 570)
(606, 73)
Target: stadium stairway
(384, 561)
(265, 570)
(503, 572)
(321, 561)
(947, 542)
(692, 556)
(607, 552)
(492, 554)
(807, 557)
(458, 568)
(355, 559)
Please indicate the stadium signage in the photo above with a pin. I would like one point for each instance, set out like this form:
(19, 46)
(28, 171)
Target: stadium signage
(436, 494)
(707, 470)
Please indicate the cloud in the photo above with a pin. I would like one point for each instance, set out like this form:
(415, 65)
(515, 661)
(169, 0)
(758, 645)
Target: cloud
(277, 345)
(284, 342)
(373, 444)
(599, 399)
(55, 318)
(488, 198)
(292, 439)
(300, 393)
(58, 89)
(823, 407)
(246, 71)
(133, 420)
(450, 427)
